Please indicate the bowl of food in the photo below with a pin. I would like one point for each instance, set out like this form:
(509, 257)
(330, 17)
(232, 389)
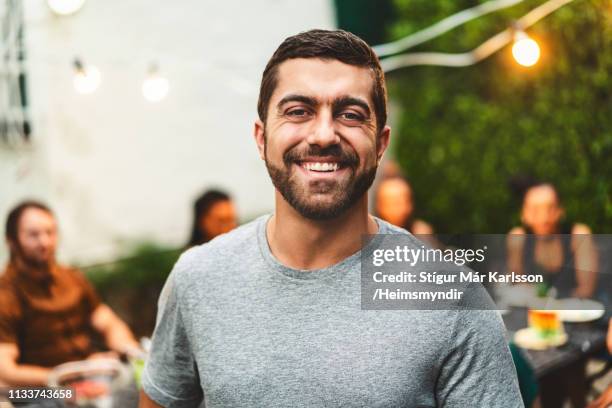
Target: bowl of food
(91, 382)
(545, 330)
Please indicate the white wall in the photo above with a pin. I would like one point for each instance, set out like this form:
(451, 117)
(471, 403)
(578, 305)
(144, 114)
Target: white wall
(116, 168)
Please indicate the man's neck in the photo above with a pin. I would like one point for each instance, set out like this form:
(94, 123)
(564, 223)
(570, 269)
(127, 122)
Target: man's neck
(302, 243)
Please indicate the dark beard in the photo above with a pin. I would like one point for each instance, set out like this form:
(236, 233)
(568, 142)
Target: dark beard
(30, 268)
(343, 197)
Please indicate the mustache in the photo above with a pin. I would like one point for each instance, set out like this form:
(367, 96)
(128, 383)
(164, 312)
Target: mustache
(16, 251)
(345, 157)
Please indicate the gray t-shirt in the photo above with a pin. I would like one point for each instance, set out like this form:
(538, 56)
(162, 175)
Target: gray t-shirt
(236, 328)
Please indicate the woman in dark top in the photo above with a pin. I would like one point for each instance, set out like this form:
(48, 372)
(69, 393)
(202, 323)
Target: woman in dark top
(563, 253)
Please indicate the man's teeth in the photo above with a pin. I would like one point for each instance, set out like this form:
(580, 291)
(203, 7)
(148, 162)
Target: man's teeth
(317, 166)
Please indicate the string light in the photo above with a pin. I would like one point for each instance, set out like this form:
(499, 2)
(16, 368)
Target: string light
(86, 79)
(155, 87)
(525, 50)
(65, 7)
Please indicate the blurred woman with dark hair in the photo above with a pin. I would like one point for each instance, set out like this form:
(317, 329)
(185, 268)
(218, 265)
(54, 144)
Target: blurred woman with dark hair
(563, 252)
(213, 214)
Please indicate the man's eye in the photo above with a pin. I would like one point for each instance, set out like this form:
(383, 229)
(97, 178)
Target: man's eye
(351, 116)
(297, 112)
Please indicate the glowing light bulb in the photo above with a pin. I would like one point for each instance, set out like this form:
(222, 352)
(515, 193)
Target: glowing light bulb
(86, 79)
(155, 87)
(65, 7)
(525, 50)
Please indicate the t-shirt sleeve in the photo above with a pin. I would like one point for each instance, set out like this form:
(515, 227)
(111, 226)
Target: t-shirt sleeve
(10, 315)
(478, 370)
(171, 377)
(91, 296)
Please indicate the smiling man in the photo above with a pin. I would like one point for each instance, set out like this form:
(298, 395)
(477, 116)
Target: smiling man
(269, 315)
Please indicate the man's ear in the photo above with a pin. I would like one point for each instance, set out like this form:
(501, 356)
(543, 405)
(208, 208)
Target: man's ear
(383, 142)
(258, 135)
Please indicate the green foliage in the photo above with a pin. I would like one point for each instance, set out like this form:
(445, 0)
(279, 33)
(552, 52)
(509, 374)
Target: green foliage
(147, 264)
(462, 133)
(131, 285)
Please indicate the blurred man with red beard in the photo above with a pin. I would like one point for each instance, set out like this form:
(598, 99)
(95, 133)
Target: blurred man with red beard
(48, 313)
(269, 315)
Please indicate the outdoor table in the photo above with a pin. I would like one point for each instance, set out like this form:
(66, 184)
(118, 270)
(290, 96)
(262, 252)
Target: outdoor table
(561, 371)
(585, 340)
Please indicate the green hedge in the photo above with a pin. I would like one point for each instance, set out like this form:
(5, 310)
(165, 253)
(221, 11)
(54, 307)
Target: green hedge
(147, 263)
(132, 284)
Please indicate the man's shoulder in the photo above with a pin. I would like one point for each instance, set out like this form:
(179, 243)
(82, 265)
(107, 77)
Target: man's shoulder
(8, 292)
(5, 277)
(70, 275)
(230, 249)
(69, 271)
(385, 227)
(397, 234)
(232, 242)
(479, 320)
(8, 282)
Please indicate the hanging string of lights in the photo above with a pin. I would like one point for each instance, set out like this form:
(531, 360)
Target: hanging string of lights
(87, 77)
(442, 26)
(525, 50)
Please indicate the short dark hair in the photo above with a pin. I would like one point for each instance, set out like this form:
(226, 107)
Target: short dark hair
(11, 230)
(328, 45)
(520, 185)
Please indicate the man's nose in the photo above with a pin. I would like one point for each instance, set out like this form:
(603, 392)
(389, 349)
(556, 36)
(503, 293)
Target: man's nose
(44, 240)
(323, 133)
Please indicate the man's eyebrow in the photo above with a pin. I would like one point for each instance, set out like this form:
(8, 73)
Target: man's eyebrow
(297, 98)
(345, 101)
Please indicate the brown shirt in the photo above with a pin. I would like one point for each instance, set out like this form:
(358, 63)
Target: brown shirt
(49, 321)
